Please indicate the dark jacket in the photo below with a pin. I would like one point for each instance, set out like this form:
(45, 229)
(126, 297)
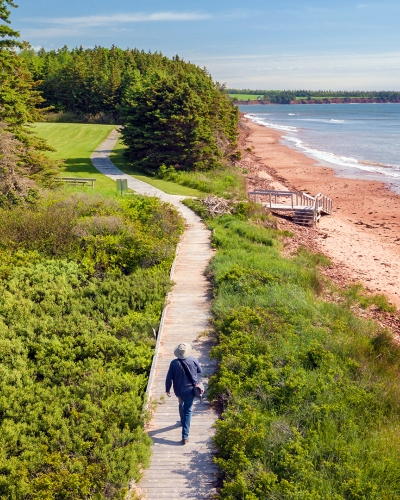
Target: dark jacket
(183, 387)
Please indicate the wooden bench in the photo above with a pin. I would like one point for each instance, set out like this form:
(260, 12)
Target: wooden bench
(76, 180)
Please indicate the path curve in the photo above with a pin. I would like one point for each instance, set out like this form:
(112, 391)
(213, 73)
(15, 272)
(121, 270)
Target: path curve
(176, 471)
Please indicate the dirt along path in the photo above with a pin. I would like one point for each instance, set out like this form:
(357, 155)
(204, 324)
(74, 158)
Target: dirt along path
(362, 237)
(177, 471)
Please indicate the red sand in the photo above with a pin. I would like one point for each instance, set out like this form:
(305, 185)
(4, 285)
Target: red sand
(363, 234)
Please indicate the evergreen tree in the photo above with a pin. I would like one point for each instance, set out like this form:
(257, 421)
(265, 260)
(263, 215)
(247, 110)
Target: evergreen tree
(177, 118)
(21, 161)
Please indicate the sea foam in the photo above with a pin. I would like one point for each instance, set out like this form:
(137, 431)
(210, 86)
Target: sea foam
(261, 121)
(345, 161)
(356, 137)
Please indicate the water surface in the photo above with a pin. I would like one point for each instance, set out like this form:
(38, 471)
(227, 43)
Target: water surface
(358, 140)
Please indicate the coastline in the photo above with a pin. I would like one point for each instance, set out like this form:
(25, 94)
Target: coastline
(362, 237)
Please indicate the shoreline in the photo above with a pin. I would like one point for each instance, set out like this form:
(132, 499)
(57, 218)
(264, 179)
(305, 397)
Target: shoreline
(363, 234)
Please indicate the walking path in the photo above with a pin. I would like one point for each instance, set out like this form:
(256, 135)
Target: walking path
(177, 471)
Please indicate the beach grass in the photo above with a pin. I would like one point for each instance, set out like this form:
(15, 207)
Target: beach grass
(310, 391)
(74, 143)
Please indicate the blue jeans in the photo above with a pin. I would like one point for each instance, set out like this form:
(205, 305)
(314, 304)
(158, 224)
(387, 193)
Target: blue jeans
(185, 412)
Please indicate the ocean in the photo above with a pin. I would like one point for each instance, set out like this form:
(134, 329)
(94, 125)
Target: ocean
(358, 140)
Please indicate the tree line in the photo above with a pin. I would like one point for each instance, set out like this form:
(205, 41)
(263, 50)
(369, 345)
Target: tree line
(286, 96)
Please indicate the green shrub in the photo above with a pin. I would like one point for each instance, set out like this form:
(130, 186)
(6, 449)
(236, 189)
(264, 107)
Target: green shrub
(82, 286)
(310, 392)
(223, 181)
(103, 234)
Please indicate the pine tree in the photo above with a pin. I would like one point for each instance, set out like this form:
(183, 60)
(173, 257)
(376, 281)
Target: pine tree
(177, 117)
(21, 160)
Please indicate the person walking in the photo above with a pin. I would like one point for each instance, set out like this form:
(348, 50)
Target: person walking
(180, 373)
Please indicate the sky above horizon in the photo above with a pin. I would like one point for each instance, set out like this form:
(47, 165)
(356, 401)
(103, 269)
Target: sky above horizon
(342, 45)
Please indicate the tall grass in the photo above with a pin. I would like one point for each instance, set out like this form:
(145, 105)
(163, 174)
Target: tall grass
(310, 392)
(224, 181)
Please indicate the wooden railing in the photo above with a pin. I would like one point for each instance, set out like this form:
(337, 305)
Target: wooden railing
(323, 203)
(297, 199)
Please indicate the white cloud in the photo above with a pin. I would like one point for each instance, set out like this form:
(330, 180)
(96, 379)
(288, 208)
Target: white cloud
(323, 71)
(138, 17)
(47, 33)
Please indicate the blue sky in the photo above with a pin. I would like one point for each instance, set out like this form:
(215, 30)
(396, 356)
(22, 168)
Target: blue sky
(261, 44)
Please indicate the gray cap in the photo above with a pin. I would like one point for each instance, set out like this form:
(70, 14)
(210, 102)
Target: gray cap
(183, 350)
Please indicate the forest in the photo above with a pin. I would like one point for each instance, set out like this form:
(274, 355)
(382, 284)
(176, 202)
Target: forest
(172, 111)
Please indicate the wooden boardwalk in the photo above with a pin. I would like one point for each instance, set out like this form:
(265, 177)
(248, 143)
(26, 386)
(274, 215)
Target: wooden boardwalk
(177, 471)
(307, 209)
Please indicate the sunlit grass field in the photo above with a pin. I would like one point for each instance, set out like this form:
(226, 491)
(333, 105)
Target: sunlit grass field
(245, 97)
(74, 143)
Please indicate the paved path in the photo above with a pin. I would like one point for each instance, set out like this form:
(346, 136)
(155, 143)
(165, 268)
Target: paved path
(177, 471)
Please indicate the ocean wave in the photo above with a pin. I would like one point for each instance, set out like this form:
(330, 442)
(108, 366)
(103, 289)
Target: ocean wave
(260, 121)
(346, 161)
(322, 120)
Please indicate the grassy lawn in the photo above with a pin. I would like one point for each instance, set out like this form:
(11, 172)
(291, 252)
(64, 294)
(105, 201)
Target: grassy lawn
(117, 157)
(74, 143)
(244, 97)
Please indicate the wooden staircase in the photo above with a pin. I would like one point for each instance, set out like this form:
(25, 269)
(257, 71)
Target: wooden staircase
(306, 209)
(304, 216)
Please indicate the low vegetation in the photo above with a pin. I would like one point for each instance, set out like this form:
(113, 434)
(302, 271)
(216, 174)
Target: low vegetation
(310, 392)
(223, 181)
(83, 280)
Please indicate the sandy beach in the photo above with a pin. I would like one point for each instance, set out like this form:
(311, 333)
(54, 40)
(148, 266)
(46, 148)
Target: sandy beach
(362, 237)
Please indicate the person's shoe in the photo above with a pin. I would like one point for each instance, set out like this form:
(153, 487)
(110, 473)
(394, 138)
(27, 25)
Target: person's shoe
(185, 441)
